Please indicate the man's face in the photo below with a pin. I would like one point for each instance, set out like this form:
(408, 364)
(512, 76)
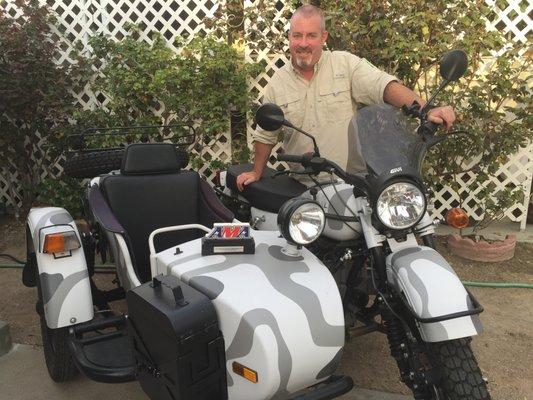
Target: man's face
(306, 40)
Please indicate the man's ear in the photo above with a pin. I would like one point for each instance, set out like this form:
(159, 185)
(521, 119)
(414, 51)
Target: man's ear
(324, 37)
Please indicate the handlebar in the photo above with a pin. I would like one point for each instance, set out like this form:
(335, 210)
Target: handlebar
(292, 158)
(315, 164)
(428, 128)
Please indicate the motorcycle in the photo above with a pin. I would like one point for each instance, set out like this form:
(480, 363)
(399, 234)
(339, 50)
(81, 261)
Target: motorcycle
(388, 282)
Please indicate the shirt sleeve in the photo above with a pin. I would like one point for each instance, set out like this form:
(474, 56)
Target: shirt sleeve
(259, 134)
(368, 82)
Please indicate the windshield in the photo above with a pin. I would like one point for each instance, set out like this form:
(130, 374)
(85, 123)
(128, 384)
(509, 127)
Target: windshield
(385, 139)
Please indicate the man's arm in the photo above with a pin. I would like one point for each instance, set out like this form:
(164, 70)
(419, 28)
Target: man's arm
(398, 95)
(261, 154)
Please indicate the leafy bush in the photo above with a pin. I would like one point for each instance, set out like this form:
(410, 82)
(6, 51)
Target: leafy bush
(150, 84)
(36, 99)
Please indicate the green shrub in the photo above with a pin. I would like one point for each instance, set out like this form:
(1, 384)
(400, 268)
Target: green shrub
(37, 99)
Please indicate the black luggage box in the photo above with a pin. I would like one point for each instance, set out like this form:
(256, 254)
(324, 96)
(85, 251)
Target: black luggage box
(178, 347)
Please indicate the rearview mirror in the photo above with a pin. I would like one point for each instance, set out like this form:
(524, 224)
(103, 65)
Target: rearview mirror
(453, 65)
(270, 117)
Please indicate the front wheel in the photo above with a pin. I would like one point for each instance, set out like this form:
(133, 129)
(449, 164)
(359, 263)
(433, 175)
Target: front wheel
(460, 376)
(436, 371)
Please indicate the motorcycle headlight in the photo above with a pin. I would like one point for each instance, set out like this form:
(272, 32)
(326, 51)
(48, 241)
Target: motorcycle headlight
(401, 205)
(301, 221)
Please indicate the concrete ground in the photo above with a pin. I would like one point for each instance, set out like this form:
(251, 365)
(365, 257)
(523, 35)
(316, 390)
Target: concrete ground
(23, 376)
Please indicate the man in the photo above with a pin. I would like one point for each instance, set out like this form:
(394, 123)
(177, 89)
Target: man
(319, 92)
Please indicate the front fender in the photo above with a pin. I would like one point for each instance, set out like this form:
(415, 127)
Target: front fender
(432, 289)
(65, 285)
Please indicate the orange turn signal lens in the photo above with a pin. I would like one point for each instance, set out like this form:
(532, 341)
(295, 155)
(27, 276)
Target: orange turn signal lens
(457, 218)
(245, 372)
(60, 242)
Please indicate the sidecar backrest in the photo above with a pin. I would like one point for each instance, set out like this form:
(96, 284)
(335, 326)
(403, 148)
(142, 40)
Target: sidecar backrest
(152, 192)
(268, 193)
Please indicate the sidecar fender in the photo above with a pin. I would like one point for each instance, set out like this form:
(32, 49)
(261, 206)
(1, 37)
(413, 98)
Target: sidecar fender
(64, 279)
(431, 290)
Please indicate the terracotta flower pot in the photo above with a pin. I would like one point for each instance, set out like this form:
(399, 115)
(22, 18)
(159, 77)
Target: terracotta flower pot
(482, 250)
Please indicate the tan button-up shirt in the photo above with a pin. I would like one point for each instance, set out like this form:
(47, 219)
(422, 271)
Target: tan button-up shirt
(325, 105)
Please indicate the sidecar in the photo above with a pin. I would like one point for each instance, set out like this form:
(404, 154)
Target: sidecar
(215, 310)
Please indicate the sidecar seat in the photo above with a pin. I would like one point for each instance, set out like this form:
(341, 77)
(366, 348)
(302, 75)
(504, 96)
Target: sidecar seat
(152, 192)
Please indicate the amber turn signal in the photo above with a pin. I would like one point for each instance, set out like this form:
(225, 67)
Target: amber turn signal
(245, 372)
(60, 242)
(457, 218)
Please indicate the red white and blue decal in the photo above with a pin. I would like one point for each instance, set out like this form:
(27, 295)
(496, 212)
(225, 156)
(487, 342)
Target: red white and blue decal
(229, 231)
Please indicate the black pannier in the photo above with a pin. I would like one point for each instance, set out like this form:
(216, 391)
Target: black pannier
(178, 347)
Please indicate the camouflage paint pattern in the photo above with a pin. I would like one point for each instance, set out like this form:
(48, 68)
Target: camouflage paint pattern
(280, 316)
(432, 289)
(340, 195)
(65, 286)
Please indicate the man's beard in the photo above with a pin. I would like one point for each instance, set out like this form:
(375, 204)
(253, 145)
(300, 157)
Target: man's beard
(304, 63)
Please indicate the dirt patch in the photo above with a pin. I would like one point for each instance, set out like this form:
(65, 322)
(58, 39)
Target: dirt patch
(503, 350)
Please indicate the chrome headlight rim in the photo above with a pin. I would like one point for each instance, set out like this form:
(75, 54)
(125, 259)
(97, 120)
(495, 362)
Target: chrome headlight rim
(389, 185)
(288, 211)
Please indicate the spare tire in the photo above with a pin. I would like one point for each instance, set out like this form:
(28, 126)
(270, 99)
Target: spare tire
(95, 163)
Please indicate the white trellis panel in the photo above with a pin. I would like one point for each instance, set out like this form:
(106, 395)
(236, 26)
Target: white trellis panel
(78, 20)
(514, 19)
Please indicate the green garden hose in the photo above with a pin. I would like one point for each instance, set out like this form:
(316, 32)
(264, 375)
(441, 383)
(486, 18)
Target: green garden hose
(498, 284)
(495, 285)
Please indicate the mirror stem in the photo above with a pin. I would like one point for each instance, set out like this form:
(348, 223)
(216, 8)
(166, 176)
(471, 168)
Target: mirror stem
(426, 107)
(317, 152)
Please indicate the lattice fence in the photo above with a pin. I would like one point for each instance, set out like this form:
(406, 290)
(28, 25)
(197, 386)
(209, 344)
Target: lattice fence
(511, 17)
(77, 20)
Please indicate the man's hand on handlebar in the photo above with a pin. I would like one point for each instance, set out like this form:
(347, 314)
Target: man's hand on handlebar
(442, 115)
(246, 178)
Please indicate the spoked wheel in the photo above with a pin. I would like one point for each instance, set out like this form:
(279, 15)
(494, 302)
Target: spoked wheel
(59, 362)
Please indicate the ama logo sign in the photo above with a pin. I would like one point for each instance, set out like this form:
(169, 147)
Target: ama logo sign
(230, 231)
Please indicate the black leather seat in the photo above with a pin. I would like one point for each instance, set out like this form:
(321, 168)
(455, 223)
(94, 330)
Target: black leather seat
(150, 193)
(268, 193)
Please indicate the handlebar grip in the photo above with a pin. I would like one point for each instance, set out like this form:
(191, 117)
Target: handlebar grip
(290, 158)
(429, 128)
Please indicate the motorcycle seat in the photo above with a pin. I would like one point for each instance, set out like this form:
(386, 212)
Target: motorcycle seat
(268, 193)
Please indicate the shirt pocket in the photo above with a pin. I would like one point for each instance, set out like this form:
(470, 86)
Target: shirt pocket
(292, 106)
(336, 100)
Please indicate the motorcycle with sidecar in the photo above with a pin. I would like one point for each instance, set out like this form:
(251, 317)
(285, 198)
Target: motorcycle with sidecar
(378, 239)
(218, 310)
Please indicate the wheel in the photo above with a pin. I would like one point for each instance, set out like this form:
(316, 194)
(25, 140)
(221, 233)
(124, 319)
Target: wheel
(436, 371)
(59, 362)
(94, 163)
(461, 377)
